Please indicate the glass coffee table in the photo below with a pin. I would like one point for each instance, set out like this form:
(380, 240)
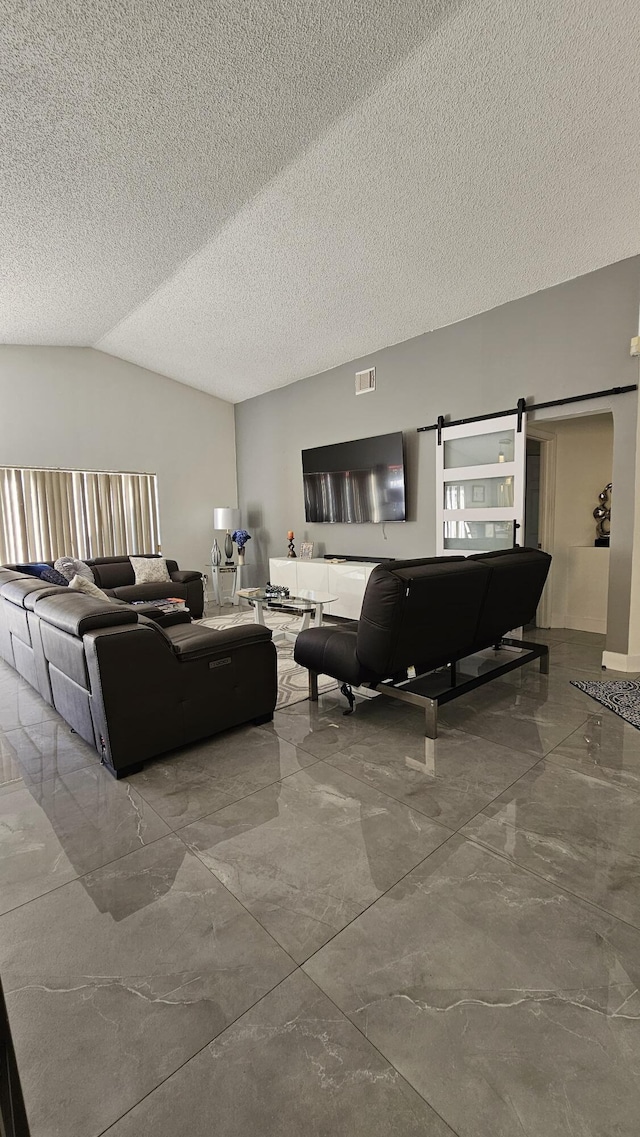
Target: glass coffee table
(306, 603)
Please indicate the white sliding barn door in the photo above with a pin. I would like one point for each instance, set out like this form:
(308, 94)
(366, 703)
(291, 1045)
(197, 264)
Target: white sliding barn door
(480, 484)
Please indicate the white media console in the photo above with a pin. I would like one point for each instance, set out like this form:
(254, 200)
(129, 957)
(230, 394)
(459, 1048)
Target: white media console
(347, 580)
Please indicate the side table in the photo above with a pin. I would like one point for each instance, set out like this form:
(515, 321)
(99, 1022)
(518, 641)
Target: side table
(222, 573)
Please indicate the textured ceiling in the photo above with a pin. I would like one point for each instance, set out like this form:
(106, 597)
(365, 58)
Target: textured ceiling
(239, 194)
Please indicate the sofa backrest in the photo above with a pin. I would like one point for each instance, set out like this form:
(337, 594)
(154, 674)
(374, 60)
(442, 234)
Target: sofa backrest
(514, 590)
(425, 613)
(117, 572)
(10, 572)
(21, 568)
(75, 613)
(23, 590)
(19, 639)
(414, 611)
(108, 572)
(6, 649)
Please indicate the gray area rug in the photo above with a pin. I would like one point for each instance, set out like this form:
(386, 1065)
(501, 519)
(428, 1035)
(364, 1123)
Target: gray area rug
(292, 680)
(622, 696)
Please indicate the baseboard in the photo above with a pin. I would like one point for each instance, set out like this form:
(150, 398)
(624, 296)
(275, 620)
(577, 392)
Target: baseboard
(587, 624)
(578, 623)
(619, 662)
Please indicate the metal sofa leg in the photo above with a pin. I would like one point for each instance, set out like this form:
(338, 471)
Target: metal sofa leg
(544, 663)
(313, 686)
(431, 719)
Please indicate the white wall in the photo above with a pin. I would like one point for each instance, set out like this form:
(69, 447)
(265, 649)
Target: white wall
(78, 408)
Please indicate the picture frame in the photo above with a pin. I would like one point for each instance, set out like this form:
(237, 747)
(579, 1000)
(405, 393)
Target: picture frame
(306, 550)
(477, 495)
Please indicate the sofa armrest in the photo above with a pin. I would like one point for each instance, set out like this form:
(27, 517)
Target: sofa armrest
(148, 698)
(148, 614)
(135, 693)
(190, 641)
(191, 582)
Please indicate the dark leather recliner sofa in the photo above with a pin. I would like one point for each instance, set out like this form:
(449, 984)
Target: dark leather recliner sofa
(115, 576)
(131, 688)
(422, 615)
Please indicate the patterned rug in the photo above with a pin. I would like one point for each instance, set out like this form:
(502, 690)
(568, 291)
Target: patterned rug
(622, 696)
(292, 680)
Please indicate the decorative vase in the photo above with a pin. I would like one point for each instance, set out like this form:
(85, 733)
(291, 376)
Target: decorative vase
(240, 556)
(228, 549)
(216, 553)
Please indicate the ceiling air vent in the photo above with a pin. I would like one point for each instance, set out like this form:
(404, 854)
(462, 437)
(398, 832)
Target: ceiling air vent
(365, 381)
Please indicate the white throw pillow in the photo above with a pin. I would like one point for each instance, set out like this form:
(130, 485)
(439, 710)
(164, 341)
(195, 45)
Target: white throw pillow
(150, 570)
(81, 584)
(71, 566)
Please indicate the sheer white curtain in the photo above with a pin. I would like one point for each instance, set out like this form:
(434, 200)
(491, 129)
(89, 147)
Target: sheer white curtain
(46, 514)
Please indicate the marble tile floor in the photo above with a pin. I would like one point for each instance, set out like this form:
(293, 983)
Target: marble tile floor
(328, 925)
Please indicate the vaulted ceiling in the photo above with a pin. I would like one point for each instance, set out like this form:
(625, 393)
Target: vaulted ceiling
(239, 193)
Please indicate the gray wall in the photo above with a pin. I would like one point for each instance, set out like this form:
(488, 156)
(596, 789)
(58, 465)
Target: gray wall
(565, 340)
(73, 407)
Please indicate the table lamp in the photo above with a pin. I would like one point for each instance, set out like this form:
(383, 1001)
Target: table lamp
(226, 518)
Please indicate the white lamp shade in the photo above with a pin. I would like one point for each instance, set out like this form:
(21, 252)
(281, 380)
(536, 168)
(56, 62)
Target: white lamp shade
(225, 518)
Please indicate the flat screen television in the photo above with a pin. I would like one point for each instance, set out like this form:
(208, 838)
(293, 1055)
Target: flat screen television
(355, 481)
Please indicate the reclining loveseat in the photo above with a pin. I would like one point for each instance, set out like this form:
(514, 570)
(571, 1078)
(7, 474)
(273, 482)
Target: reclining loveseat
(420, 618)
(130, 687)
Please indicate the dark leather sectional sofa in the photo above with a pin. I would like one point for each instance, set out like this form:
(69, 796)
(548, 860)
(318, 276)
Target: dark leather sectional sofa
(130, 687)
(115, 576)
(421, 615)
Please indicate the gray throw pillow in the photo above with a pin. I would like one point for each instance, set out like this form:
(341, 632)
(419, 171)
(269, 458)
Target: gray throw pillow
(71, 566)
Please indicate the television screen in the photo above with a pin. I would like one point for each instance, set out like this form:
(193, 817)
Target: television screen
(355, 481)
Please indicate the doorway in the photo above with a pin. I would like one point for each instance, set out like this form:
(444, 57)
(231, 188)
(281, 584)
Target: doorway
(539, 524)
(569, 461)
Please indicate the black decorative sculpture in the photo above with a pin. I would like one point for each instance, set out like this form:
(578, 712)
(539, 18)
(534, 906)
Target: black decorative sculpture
(602, 514)
(275, 591)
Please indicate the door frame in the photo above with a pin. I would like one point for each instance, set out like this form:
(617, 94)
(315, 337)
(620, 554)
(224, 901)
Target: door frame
(546, 512)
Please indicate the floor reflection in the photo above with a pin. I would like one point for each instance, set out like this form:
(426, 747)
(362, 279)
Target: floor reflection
(428, 767)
